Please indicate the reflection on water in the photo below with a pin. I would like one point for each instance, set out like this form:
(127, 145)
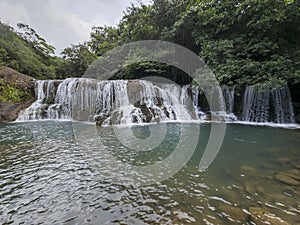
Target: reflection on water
(46, 178)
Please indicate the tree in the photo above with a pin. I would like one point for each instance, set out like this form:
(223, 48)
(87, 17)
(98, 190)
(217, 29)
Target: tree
(103, 39)
(19, 54)
(77, 59)
(30, 35)
(245, 41)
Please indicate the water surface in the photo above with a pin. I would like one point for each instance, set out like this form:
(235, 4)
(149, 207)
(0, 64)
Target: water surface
(45, 178)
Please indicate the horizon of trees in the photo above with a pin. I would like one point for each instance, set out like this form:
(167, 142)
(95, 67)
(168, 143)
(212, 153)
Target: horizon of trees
(242, 41)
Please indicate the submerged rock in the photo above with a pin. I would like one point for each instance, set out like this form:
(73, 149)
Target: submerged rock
(286, 178)
(250, 188)
(296, 164)
(263, 217)
(248, 171)
(283, 161)
(294, 173)
(234, 213)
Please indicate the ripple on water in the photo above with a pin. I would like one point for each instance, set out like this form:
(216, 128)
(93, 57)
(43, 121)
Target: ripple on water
(45, 178)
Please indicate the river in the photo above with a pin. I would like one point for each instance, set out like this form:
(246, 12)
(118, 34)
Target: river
(46, 177)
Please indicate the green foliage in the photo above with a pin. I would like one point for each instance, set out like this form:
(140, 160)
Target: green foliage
(39, 43)
(289, 1)
(9, 93)
(77, 59)
(103, 39)
(242, 41)
(246, 41)
(23, 56)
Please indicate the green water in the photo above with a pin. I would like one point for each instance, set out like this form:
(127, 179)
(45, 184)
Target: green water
(47, 177)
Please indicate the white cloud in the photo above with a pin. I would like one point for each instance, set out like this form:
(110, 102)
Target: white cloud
(63, 22)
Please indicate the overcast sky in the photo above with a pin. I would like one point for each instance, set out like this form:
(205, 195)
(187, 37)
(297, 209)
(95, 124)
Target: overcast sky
(63, 22)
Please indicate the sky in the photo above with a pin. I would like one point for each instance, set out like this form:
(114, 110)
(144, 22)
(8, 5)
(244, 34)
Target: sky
(63, 22)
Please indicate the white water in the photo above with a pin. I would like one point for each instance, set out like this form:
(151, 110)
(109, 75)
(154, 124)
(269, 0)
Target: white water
(139, 101)
(44, 90)
(261, 106)
(228, 94)
(108, 102)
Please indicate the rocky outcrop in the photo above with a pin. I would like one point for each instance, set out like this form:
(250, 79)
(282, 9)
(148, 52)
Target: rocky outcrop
(10, 110)
(20, 80)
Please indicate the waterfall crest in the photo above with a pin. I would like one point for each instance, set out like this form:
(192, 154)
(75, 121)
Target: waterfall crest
(141, 101)
(45, 91)
(109, 102)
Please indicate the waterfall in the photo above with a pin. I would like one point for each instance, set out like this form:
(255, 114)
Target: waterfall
(268, 105)
(195, 95)
(282, 104)
(225, 106)
(141, 101)
(109, 102)
(44, 91)
(228, 94)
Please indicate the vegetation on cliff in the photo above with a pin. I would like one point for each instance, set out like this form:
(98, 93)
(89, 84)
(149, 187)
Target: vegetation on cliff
(243, 41)
(16, 93)
(14, 86)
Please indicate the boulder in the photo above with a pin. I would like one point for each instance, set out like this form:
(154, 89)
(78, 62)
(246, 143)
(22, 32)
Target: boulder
(9, 110)
(20, 80)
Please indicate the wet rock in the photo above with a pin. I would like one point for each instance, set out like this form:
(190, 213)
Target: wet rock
(100, 119)
(10, 111)
(146, 112)
(263, 217)
(286, 178)
(297, 118)
(234, 213)
(134, 91)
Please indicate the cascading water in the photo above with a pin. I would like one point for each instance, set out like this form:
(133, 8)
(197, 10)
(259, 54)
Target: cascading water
(109, 102)
(268, 105)
(228, 94)
(140, 101)
(45, 92)
(225, 106)
(282, 104)
(195, 94)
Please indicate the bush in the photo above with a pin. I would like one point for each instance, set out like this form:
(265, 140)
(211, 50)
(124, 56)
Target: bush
(9, 93)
